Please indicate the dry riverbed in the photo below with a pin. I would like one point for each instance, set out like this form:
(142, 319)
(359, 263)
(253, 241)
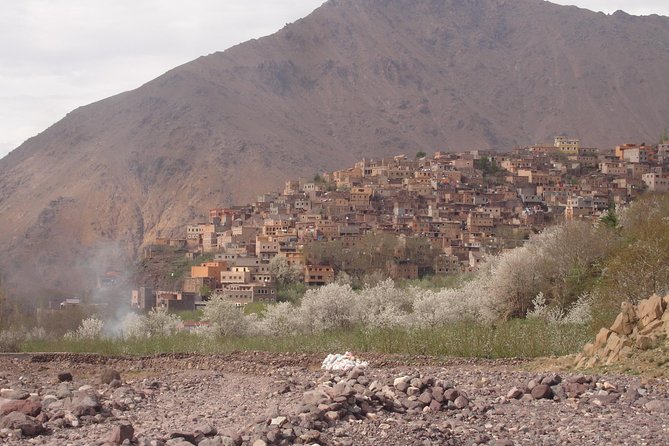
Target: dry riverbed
(264, 399)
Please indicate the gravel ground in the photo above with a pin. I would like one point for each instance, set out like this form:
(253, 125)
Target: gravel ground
(239, 398)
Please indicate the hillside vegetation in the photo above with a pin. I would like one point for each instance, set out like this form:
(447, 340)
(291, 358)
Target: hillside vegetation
(547, 297)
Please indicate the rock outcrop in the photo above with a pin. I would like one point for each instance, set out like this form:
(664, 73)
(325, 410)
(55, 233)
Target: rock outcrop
(637, 327)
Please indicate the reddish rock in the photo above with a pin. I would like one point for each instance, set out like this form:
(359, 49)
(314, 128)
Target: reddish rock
(515, 394)
(109, 375)
(25, 407)
(461, 402)
(120, 433)
(542, 391)
(29, 426)
(451, 394)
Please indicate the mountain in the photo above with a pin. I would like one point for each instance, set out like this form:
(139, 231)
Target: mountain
(353, 79)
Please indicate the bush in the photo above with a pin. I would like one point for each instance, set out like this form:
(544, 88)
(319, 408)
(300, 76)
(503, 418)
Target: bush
(225, 318)
(90, 329)
(157, 323)
(10, 341)
(327, 308)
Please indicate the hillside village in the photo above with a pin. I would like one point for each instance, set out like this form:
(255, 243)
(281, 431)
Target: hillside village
(457, 206)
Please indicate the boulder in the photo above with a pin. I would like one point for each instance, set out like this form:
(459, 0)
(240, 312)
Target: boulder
(451, 394)
(655, 326)
(12, 394)
(83, 403)
(645, 342)
(542, 391)
(64, 376)
(120, 433)
(461, 402)
(626, 320)
(514, 394)
(650, 309)
(602, 338)
(29, 426)
(26, 407)
(109, 375)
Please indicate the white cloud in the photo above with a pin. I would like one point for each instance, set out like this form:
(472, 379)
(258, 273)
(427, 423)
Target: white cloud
(57, 55)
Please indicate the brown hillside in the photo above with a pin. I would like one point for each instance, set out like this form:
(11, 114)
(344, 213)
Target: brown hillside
(353, 79)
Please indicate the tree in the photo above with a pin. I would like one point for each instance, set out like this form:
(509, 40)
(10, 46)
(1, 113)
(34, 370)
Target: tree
(225, 318)
(420, 154)
(283, 271)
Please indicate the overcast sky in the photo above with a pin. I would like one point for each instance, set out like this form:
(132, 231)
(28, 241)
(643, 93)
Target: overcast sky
(56, 55)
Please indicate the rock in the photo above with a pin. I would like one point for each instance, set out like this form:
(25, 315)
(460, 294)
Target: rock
(215, 441)
(64, 376)
(26, 407)
(315, 397)
(542, 391)
(19, 421)
(514, 394)
(574, 389)
(402, 383)
(63, 391)
(12, 394)
(435, 406)
(602, 338)
(657, 406)
(332, 415)
(109, 375)
(589, 349)
(185, 436)
(650, 309)
(278, 421)
(451, 394)
(121, 433)
(645, 342)
(206, 429)
(652, 327)
(551, 380)
(413, 391)
(626, 320)
(425, 397)
(461, 402)
(259, 443)
(342, 389)
(605, 400)
(82, 404)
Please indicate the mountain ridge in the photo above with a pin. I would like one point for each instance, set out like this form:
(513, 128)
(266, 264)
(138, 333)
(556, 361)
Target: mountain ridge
(353, 79)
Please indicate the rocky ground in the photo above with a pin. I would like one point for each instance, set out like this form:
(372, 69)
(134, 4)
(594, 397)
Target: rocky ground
(264, 399)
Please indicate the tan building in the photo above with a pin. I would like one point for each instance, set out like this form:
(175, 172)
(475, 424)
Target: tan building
(318, 275)
(566, 145)
(209, 269)
(402, 269)
(656, 182)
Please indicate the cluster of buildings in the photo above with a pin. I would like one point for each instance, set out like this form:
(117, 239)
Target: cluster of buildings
(464, 204)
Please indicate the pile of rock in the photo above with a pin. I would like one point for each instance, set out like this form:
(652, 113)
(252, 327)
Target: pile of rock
(640, 327)
(25, 414)
(552, 387)
(351, 396)
(586, 389)
(276, 431)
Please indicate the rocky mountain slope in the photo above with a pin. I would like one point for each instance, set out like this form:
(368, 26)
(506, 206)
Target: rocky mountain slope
(353, 79)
